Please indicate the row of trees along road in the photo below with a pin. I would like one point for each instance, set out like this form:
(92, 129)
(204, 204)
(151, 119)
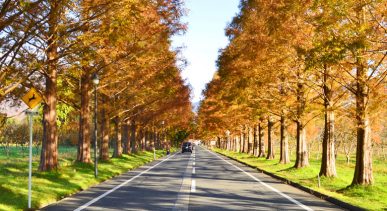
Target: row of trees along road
(56, 46)
(295, 61)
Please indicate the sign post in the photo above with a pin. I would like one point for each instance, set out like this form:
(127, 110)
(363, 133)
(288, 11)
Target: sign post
(30, 118)
(31, 99)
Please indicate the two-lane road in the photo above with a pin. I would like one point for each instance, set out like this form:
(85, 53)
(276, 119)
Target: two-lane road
(202, 180)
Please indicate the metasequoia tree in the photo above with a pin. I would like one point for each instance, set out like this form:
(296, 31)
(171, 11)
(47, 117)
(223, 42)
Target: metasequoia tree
(366, 54)
(324, 57)
(49, 154)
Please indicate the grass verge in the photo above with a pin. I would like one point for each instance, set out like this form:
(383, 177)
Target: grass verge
(71, 177)
(370, 198)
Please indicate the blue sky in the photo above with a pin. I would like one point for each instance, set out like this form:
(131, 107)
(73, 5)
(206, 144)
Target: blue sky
(206, 20)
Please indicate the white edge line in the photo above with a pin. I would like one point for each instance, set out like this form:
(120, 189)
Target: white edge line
(266, 185)
(118, 186)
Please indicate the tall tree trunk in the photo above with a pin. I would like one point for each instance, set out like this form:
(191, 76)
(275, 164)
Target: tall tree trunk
(146, 138)
(241, 142)
(142, 138)
(232, 141)
(261, 141)
(155, 139)
(49, 154)
(125, 138)
(46, 158)
(302, 159)
(328, 162)
(158, 137)
(235, 143)
(49, 158)
(105, 130)
(246, 139)
(255, 140)
(270, 141)
(133, 136)
(363, 169)
(238, 143)
(284, 157)
(84, 122)
(118, 145)
(250, 148)
(164, 138)
(44, 142)
(228, 142)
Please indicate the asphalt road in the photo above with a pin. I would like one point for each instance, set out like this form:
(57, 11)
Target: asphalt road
(202, 180)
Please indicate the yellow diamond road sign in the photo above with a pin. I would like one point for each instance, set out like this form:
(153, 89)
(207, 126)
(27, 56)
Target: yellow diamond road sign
(32, 98)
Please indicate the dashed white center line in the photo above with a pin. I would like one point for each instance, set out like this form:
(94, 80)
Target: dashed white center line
(184, 193)
(193, 186)
(193, 181)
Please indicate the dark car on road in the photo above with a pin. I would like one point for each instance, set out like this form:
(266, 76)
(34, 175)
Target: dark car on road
(186, 147)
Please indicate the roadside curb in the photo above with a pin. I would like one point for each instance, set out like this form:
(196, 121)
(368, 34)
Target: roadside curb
(325, 197)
